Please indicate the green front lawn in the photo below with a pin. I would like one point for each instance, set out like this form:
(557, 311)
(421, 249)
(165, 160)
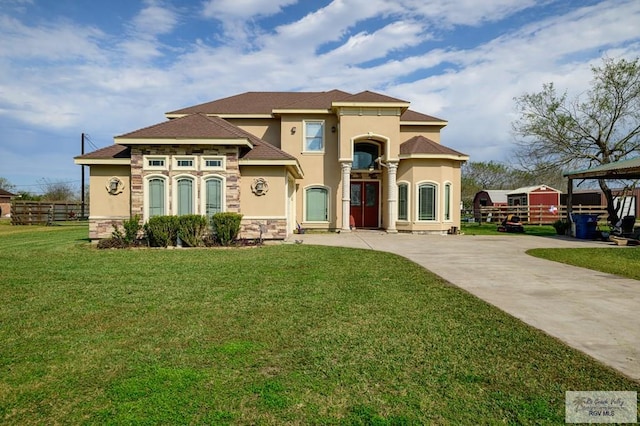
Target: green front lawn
(623, 261)
(476, 228)
(270, 335)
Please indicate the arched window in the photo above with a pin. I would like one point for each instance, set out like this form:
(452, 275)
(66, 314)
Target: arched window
(184, 196)
(427, 201)
(364, 156)
(156, 196)
(403, 201)
(317, 204)
(213, 196)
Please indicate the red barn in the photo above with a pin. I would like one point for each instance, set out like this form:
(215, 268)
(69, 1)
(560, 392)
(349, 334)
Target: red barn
(541, 200)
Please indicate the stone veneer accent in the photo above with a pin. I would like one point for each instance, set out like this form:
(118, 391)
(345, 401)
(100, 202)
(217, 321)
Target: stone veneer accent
(272, 229)
(103, 228)
(231, 173)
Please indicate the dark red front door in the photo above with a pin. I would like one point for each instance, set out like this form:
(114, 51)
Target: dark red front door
(365, 204)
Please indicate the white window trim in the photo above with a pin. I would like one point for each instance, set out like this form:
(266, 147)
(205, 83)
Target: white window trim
(444, 201)
(204, 158)
(177, 158)
(408, 184)
(146, 194)
(304, 137)
(304, 204)
(436, 196)
(146, 166)
(203, 192)
(174, 193)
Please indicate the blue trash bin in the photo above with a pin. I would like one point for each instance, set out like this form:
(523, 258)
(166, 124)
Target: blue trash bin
(585, 225)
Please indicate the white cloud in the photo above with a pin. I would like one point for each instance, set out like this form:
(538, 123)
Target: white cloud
(243, 9)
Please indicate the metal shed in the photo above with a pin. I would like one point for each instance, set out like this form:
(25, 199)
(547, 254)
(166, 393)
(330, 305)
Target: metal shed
(621, 170)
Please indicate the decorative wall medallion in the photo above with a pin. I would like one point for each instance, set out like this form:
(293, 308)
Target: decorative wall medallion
(115, 186)
(259, 186)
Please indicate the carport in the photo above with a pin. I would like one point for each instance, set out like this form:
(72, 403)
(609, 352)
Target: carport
(623, 169)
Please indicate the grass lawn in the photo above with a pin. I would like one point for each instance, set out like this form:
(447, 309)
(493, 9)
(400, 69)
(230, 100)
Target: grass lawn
(292, 334)
(623, 261)
(484, 228)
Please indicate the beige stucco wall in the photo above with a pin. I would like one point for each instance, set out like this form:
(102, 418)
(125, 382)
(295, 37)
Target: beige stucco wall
(382, 128)
(267, 129)
(321, 169)
(430, 132)
(440, 172)
(104, 204)
(273, 204)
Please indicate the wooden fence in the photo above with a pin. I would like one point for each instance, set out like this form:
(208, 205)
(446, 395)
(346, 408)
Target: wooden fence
(535, 215)
(45, 212)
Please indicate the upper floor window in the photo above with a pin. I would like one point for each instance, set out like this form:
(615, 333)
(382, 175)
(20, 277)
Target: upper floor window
(365, 155)
(314, 136)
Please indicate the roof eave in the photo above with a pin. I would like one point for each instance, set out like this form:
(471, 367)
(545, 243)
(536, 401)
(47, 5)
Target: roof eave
(339, 104)
(291, 165)
(441, 123)
(434, 157)
(102, 161)
(184, 141)
(303, 111)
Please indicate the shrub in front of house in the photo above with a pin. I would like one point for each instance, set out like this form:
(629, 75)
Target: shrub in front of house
(226, 227)
(123, 238)
(161, 231)
(192, 229)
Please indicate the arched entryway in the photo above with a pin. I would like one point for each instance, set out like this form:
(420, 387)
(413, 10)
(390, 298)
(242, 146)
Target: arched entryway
(365, 184)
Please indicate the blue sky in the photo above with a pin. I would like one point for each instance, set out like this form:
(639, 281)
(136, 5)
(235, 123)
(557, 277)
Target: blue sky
(109, 67)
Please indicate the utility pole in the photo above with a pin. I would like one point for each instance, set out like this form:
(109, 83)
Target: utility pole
(82, 178)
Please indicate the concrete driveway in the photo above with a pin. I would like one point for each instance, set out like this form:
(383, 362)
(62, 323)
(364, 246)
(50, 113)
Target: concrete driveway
(594, 312)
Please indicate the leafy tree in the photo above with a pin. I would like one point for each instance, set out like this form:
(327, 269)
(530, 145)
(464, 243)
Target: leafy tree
(478, 175)
(598, 127)
(7, 185)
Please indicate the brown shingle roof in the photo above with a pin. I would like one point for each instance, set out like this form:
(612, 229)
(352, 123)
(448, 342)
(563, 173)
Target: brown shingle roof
(195, 126)
(266, 102)
(111, 151)
(5, 193)
(248, 103)
(200, 126)
(422, 145)
(368, 96)
(410, 115)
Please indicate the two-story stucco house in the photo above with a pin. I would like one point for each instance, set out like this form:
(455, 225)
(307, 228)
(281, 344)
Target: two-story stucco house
(316, 160)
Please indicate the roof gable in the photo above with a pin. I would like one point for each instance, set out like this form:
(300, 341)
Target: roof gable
(195, 126)
(422, 145)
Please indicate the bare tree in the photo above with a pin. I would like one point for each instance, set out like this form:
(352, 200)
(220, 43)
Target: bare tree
(599, 127)
(7, 185)
(57, 190)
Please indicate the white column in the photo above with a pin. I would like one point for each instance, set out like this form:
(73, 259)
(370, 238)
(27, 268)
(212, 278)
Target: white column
(392, 202)
(346, 195)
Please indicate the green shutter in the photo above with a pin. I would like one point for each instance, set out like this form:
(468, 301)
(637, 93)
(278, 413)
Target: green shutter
(214, 197)
(317, 205)
(427, 202)
(185, 196)
(402, 202)
(156, 197)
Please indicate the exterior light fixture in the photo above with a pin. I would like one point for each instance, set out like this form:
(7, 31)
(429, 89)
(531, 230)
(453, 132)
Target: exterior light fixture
(115, 186)
(259, 186)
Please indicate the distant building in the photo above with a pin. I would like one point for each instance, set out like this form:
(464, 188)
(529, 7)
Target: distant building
(5, 203)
